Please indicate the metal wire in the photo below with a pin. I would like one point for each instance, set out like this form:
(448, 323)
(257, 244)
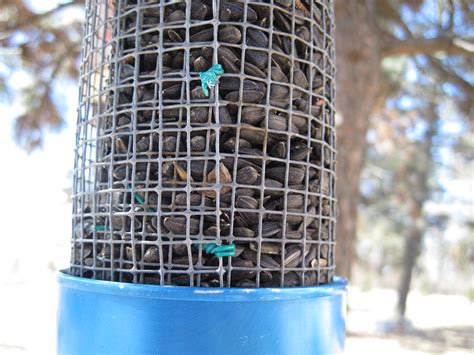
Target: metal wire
(161, 170)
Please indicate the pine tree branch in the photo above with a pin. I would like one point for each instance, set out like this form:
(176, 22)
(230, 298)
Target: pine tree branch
(32, 19)
(452, 76)
(414, 46)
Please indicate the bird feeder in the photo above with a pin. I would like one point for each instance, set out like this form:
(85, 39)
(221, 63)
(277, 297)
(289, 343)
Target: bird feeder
(204, 181)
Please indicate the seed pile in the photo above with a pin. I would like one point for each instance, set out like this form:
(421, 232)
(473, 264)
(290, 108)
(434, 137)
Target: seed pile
(250, 167)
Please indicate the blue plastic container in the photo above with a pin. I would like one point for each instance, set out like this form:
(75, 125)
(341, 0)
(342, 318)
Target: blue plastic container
(101, 317)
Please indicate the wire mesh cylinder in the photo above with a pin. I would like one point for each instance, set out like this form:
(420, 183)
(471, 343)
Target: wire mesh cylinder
(234, 189)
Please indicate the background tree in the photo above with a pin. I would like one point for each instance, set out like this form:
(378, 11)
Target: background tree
(406, 187)
(369, 34)
(46, 46)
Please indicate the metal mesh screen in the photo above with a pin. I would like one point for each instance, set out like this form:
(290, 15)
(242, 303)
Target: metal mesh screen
(162, 171)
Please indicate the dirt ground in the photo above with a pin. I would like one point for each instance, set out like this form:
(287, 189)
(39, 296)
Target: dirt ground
(438, 324)
(450, 340)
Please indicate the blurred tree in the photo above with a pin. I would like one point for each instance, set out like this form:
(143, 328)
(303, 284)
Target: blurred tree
(46, 46)
(367, 34)
(416, 176)
(400, 184)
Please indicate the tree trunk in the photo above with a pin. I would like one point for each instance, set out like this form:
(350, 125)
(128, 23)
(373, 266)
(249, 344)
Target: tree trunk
(421, 168)
(358, 73)
(411, 252)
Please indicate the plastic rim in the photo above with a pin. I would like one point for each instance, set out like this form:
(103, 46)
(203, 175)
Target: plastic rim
(338, 286)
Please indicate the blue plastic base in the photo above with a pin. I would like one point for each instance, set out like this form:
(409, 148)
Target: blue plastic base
(100, 317)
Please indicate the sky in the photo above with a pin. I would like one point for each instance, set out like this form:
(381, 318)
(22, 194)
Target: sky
(34, 214)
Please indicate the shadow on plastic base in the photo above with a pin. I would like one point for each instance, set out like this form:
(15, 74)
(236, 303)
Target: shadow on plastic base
(103, 317)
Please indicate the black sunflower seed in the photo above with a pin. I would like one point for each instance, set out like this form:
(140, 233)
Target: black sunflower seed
(229, 34)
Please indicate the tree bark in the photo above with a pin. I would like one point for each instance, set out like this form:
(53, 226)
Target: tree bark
(358, 77)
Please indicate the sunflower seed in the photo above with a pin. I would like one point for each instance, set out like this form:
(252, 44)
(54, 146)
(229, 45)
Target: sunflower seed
(169, 144)
(228, 59)
(284, 3)
(247, 202)
(252, 115)
(295, 175)
(181, 199)
(247, 175)
(300, 79)
(253, 70)
(151, 255)
(231, 144)
(282, 22)
(253, 135)
(176, 16)
(250, 96)
(279, 92)
(278, 75)
(294, 201)
(280, 123)
(266, 248)
(260, 39)
(199, 10)
(245, 269)
(203, 36)
(258, 58)
(271, 185)
(234, 84)
(269, 262)
(243, 232)
(229, 34)
(178, 225)
(303, 33)
(200, 64)
(198, 144)
(199, 114)
(269, 229)
(174, 36)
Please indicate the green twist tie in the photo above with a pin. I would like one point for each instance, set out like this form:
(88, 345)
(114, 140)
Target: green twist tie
(219, 250)
(141, 201)
(209, 78)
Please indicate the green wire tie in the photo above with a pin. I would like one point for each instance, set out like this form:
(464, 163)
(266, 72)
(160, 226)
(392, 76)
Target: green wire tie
(209, 78)
(219, 250)
(141, 201)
